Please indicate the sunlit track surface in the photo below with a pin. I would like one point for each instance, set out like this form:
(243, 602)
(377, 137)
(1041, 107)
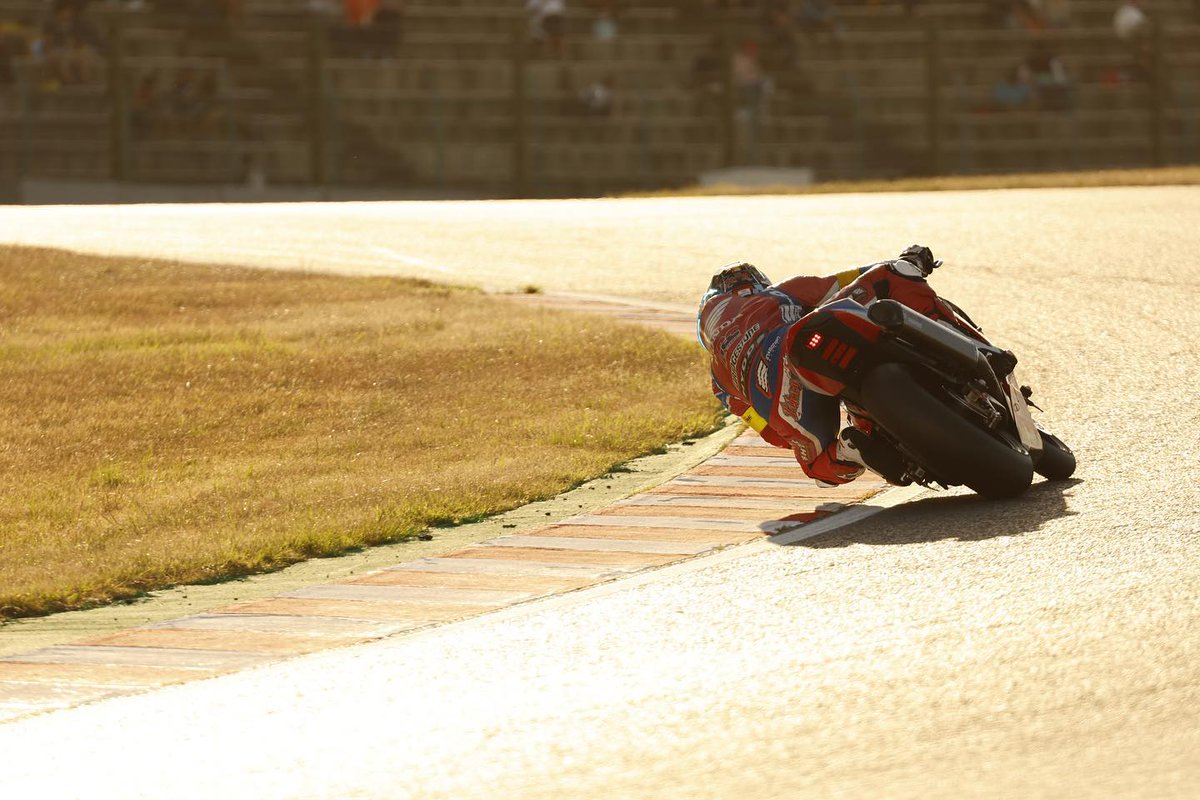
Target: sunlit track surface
(951, 646)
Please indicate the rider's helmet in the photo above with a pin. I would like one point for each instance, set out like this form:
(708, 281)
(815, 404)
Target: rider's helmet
(739, 277)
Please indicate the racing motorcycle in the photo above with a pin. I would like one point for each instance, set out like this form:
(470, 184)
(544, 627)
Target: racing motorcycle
(939, 406)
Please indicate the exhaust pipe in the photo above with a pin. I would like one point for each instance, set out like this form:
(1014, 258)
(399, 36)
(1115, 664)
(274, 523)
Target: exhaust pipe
(918, 329)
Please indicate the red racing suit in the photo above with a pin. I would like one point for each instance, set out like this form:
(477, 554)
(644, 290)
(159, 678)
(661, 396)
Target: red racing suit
(748, 333)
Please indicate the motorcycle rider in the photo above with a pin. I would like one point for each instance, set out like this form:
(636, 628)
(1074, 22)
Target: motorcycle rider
(748, 324)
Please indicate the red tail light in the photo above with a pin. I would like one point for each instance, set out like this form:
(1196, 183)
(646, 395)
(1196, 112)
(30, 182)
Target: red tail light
(836, 351)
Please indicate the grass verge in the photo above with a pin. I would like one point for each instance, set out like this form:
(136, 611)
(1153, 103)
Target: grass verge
(1164, 176)
(167, 423)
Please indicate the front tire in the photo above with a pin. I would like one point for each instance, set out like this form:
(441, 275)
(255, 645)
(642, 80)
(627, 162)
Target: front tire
(952, 448)
(1057, 462)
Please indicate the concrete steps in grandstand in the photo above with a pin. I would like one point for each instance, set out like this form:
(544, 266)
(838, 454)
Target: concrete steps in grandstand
(442, 110)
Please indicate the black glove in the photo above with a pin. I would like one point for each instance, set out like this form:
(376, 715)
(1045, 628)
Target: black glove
(922, 258)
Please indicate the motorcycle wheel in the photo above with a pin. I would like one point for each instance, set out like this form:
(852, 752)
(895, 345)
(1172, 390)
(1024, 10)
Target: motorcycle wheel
(952, 448)
(1057, 462)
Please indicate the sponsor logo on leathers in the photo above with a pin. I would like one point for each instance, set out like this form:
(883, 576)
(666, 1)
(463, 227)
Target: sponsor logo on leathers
(789, 399)
(728, 341)
(737, 351)
(791, 313)
(713, 322)
(764, 379)
(770, 354)
(737, 362)
(791, 392)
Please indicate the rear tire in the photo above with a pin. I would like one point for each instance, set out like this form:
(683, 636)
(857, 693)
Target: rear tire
(1057, 462)
(948, 445)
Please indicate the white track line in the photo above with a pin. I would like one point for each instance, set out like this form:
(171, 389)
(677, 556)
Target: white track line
(411, 261)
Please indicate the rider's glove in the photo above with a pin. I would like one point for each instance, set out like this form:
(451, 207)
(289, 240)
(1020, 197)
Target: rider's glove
(915, 262)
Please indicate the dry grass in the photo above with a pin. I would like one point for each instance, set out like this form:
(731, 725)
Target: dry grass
(1165, 176)
(166, 423)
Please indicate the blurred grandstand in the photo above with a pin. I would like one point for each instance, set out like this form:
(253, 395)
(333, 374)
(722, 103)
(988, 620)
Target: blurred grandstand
(471, 96)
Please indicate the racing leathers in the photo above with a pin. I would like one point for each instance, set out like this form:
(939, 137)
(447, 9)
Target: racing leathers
(748, 333)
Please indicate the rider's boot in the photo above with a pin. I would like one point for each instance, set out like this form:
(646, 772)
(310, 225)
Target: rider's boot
(836, 465)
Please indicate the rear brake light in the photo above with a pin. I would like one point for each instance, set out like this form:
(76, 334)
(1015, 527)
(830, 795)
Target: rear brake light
(836, 351)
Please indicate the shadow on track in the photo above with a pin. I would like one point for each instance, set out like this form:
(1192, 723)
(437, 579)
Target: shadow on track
(965, 517)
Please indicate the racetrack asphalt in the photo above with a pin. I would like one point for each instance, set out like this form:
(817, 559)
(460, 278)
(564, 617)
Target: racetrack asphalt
(948, 646)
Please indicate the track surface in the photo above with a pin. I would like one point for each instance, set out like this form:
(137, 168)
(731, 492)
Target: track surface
(1039, 647)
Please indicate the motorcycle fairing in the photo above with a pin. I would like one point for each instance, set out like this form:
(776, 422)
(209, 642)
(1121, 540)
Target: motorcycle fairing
(826, 346)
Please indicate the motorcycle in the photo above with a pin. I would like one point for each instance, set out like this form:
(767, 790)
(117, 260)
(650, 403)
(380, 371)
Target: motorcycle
(939, 407)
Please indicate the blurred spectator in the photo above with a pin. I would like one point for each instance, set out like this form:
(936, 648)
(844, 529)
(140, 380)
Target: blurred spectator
(1028, 15)
(596, 100)
(605, 27)
(1132, 26)
(1053, 88)
(819, 16)
(254, 171)
(368, 29)
(381, 38)
(779, 27)
(179, 101)
(189, 105)
(14, 44)
(547, 24)
(752, 85)
(144, 108)
(1015, 91)
(69, 46)
(707, 78)
(1017, 14)
(1056, 13)
(1131, 22)
(358, 13)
